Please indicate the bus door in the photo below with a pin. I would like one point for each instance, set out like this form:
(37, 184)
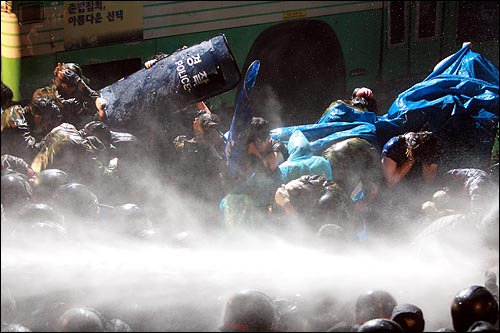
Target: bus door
(425, 36)
(302, 70)
(413, 40)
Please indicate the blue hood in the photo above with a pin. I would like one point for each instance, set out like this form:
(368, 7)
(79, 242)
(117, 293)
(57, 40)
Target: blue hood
(301, 160)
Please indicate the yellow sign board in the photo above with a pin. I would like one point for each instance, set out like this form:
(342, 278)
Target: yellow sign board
(94, 23)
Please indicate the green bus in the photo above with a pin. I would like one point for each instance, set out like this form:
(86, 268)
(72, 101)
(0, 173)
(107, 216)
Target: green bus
(311, 52)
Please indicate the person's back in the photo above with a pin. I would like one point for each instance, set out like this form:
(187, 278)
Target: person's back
(354, 161)
(16, 136)
(314, 201)
(66, 149)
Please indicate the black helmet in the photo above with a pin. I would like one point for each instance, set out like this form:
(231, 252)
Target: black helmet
(117, 325)
(98, 129)
(250, 310)
(39, 212)
(380, 325)
(331, 232)
(16, 190)
(75, 68)
(14, 328)
(292, 316)
(375, 304)
(80, 319)
(131, 219)
(48, 110)
(409, 317)
(473, 304)
(48, 181)
(77, 199)
(482, 326)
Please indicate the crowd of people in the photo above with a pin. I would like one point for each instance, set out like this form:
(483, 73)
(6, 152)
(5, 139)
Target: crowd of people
(66, 173)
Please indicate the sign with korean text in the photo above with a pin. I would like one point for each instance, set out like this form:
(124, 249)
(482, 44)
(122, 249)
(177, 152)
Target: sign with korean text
(94, 23)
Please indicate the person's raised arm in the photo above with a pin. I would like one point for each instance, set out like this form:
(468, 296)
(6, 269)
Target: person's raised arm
(392, 173)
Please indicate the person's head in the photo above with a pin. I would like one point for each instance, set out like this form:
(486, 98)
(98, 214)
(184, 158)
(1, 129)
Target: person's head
(363, 97)
(130, 219)
(482, 326)
(249, 311)
(47, 182)
(336, 204)
(65, 78)
(423, 146)
(380, 325)
(16, 191)
(98, 129)
(39, 212)
(80, 319)
(258, 137)
(409, 317)
(76, 199)
(473, 304)
(374, 304)
(305, 192)
(7, 96)
(117, 325)
(72, 66)
(45, 115)
(14, 328)
(205, 123)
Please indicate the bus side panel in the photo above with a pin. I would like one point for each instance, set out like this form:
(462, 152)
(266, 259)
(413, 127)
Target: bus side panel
(359, 35)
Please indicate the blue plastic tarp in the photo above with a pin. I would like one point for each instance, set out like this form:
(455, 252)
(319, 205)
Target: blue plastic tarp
(461, 92)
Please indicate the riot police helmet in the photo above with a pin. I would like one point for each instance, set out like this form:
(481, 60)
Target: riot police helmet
(117, 325)
(80, 319)
(77, 199)
(409, 317)
(44, 114)
(16, 190)
(482, 326)
(39, 212)
(48, 181)
(472, 304)
(131, 219)
(75, 68)
(380, 325)
(15, 328)
(249, 310)
(374, 304)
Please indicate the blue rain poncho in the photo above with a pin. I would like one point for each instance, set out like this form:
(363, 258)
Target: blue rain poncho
(301, 160)
(458, 101)
(462, 91)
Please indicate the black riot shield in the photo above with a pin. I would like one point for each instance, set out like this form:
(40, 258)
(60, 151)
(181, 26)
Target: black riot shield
(185, 77)
(150, 102)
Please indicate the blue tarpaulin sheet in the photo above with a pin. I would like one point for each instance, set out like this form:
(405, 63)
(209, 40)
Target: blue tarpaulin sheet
(458, 101)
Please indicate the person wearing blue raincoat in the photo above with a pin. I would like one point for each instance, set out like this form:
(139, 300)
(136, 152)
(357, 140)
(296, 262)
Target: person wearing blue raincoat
(257, 192)
(457, 101)
(301, 160)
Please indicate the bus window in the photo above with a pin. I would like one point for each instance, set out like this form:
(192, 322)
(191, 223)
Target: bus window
(30, 13)
(477, 21)
(104, 74)
(397, 17)
(427, 20)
